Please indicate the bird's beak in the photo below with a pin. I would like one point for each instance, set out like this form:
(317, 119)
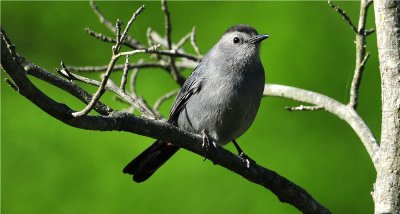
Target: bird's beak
(259, 38)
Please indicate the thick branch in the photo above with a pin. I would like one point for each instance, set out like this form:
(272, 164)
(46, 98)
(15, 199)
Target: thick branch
(285, 190)
(61, 83)
(387, 187)
(342, 111)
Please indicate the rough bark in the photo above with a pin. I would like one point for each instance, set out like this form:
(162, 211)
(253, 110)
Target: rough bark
(387, 187)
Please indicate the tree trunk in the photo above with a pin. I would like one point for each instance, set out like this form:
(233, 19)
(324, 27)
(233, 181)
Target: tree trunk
(387, 187)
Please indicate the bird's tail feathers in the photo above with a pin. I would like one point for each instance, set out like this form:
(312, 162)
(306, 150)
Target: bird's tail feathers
(145, 164)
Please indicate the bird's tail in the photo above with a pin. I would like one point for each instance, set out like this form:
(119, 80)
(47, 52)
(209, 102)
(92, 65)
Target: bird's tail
(144, 165)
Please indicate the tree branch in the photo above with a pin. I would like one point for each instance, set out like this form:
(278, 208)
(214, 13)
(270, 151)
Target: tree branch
(344, 15)
(361, 44)
(117, 67)
(115, 56)
(333, 106)
(304, 108)
(112, 28)
(361, 56)
(285, 190)
(386, 192)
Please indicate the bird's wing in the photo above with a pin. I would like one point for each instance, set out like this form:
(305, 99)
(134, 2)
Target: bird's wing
(191, 86)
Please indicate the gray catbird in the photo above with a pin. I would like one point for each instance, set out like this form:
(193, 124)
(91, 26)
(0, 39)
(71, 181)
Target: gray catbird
(220, 99)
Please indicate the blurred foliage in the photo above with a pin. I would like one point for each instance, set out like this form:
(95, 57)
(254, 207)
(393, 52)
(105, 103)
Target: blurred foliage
(48, 167)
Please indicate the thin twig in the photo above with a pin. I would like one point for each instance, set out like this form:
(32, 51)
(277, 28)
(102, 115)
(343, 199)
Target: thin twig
(151, 42)
(156, 38)
(125, 74)
(164, 98)
(100, 91)
(132, 81)
(111, 86)
(361, 56)
(304, 108)
(164, 7)
(174, 71)
(132, 42)
(369, 31)
(102, 19)
(194, 43)
(138, 99)
(119, 67)
(118, 27)
(151, 49)
(125, 33)
(99, 36)
(182, 41)
(172, 53)
(175, 53)
(344, 16)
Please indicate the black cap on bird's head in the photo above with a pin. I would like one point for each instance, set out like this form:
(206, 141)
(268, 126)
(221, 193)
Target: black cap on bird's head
(243, 28)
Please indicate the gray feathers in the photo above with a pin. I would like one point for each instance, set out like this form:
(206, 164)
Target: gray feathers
(221, 97)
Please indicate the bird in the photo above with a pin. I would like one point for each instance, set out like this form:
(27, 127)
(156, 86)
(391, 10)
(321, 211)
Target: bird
(219, 100)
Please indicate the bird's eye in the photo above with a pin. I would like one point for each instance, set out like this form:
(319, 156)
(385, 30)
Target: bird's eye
(236, 40)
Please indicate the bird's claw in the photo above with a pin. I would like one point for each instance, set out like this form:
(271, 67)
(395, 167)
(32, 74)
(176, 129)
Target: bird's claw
(207, 143)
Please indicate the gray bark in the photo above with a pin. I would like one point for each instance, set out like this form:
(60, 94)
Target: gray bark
(387, 187)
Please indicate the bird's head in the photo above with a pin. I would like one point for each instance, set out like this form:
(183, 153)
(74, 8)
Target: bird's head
(240, 41)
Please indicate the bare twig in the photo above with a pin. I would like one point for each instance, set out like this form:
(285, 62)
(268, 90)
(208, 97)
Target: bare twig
(174, 71)
(111, 27)
(121, 93)
(118, 27)
(369, 31)
(156, 38)
(183, 40)
(344, 15)
(119, 67)
(164, 98)
(100, 36)
(168, 29)
(194, 43)
(132, 81)
(175, 53)
(361, 56)
(100, 91)
(150, 42)
(133, 18)
(102, 86)
(125, 74)
(172, 53)
(304, 108)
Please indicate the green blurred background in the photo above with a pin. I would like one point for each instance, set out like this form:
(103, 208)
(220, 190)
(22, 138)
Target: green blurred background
(49, 167)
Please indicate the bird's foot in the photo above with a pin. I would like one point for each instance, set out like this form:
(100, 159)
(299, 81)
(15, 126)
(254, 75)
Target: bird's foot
(207, 143)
